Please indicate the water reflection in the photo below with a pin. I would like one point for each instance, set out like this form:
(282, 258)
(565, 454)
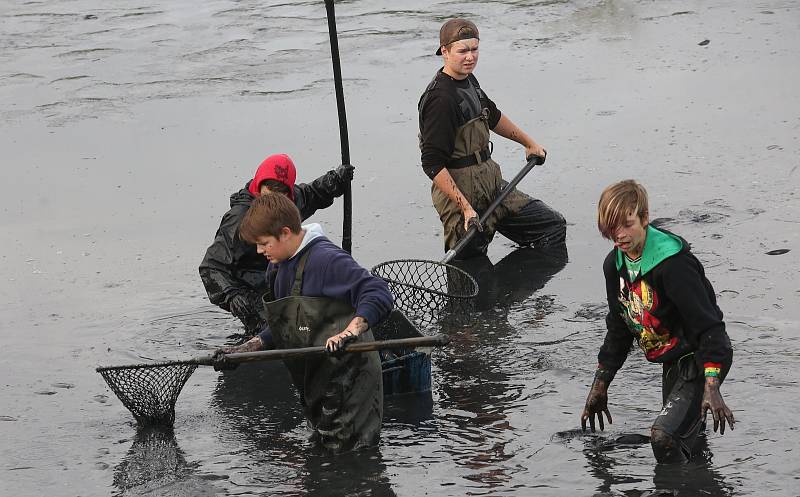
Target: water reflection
(263, 420)
(599, 453)
(155, 463)
(355, 473)
(514, 278)
(484, 373)
(260, 402)
(412, 409)
(697, 477)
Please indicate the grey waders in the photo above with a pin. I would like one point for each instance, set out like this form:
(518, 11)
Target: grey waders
(342, 395)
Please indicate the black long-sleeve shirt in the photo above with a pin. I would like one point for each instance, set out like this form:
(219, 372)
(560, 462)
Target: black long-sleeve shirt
(440, 115)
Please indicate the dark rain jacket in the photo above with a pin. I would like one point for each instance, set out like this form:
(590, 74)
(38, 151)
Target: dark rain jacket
(232, 266)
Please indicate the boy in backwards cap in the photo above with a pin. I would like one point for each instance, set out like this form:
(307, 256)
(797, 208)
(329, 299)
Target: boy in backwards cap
(455, 117)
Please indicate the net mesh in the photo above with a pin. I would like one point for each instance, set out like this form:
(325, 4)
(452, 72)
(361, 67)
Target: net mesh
(429, 292)
(149, 391)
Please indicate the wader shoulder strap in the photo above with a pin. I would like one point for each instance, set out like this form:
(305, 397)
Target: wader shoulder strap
(269, 295)
(469, 100)
(297, 286)
(424, 97)
(474, 82)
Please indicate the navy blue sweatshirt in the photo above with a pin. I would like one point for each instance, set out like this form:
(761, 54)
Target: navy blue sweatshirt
(332, 272)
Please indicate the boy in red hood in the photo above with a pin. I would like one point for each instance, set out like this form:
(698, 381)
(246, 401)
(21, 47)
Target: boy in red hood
(233, 273)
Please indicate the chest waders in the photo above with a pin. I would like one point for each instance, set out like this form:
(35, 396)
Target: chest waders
(342, 396)
(479, 182)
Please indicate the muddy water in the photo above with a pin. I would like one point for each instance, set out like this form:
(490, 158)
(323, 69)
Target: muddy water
(125, 127)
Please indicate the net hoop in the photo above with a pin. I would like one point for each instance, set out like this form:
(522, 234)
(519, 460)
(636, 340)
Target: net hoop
(385, 271)
(149, 391)
(429, 292)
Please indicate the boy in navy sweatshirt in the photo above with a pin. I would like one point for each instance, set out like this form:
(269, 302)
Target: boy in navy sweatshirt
(318, 295)
(659, 295)
(232, 272)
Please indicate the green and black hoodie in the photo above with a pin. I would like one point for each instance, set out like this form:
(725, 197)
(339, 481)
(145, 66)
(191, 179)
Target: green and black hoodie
(666, 303)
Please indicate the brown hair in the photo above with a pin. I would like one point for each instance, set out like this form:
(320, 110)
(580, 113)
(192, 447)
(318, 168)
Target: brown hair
(616, 202)
(275, 186)
(456, 30)
(267, 216)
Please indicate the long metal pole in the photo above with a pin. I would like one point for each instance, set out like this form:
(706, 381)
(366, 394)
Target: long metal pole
(267, 355)
(535, 160)
(347, 226)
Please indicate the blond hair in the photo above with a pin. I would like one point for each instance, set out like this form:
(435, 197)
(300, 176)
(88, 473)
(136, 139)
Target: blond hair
(617, 202)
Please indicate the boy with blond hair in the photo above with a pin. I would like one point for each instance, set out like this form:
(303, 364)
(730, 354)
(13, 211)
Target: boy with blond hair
(659, 295)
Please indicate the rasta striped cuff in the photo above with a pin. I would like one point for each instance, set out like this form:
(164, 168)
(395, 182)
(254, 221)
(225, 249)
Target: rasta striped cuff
(712, 369)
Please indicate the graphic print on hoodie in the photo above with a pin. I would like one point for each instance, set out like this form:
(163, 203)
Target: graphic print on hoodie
(639, 302)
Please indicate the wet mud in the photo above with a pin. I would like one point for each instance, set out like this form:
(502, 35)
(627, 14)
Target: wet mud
(125, 127)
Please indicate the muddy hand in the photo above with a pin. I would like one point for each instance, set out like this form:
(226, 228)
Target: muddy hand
(337, 342)
(470, 218)
(712, 401)
(220, 361)
(596, 405)
(241, 306)
(345, 172)
(539, 158)
(474, 221)
(536, 151)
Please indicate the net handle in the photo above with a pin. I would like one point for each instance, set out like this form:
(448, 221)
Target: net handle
(438, 340)
(450, 255)
(272, 355)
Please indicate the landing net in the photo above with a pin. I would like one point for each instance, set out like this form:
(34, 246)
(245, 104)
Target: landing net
(149, 391)
(429, 292)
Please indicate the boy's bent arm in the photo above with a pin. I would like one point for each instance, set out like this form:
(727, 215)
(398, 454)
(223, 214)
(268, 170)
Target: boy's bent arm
(445, 182)
(346, 280)
(618, 339)
(507, 129)
(319, 194)
(216, 269)
(615, 348)
(687, 287)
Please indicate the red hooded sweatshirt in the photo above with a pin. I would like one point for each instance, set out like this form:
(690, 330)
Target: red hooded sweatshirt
(278, 167)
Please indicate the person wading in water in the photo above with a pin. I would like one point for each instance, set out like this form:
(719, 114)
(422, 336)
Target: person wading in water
(318, 295)
(659, 295)
(455, 116)
(232, 272)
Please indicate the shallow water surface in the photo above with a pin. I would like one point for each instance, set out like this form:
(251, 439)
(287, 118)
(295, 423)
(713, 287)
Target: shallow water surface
(125, 126)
